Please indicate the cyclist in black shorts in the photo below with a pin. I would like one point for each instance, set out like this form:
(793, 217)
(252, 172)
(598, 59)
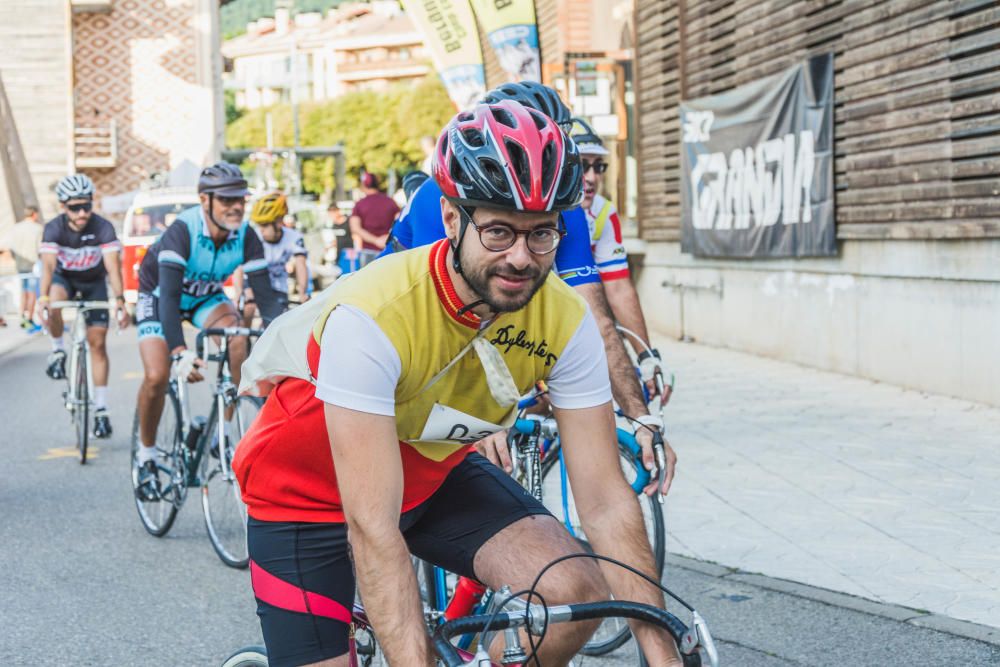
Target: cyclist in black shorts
(80, 254)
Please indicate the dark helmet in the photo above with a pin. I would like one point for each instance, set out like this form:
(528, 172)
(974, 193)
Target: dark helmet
(412, 181)
(508, 156)
(586, 139)
(535, 96)
(224, 179)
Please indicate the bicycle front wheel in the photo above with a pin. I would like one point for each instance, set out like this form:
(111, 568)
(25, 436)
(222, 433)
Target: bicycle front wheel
(221, 499)
(81, 402)
(557, 495)
(249, 656)
(158, 514)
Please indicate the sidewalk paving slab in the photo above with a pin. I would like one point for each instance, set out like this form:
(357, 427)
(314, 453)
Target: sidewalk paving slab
(835, 482)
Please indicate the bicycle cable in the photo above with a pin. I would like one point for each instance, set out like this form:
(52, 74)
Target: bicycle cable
(527, 609)
(532, 591)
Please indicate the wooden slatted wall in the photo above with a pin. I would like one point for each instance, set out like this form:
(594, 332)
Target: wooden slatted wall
(917, 102)
(658, 87)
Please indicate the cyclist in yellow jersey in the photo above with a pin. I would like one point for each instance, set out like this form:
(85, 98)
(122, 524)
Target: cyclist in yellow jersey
(362, 452)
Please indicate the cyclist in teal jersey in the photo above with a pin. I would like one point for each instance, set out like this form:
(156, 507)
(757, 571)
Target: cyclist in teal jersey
(181, 278)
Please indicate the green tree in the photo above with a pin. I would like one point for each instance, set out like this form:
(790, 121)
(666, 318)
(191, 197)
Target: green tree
(378, 130)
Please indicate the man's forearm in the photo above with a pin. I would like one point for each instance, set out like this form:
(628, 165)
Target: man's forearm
(48, 268)
(624, 300)
(114, 269)
(388, 587)
(618, 531)
(624, 383)
(301, 278)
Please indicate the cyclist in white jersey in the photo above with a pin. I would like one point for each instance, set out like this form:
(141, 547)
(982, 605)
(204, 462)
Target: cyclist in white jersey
(609, 249)
(282, 246)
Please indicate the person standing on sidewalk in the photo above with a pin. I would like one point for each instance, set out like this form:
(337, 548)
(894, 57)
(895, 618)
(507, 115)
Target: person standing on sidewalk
(80, 253)
(24, 241)
(373, 215)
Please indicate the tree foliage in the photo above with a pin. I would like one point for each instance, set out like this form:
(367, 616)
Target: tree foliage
(379, 130)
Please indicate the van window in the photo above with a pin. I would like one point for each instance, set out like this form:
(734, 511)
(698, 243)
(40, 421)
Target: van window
(152, 220)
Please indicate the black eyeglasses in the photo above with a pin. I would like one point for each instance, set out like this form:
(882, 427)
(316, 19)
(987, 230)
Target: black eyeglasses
(76, 208)
(599, 166)
(499, 237)
(230, 201)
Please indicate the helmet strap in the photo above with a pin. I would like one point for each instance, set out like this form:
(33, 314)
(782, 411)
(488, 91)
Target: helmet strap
(211, 213)
(456, 248)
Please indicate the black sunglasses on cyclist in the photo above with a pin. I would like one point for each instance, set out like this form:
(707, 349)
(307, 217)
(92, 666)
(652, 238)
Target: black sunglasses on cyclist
(599, 166)
(76, 208)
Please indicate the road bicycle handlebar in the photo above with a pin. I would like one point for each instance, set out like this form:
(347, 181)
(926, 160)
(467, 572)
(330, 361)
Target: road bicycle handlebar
(535, 618)
(81, 305)
(223, 331)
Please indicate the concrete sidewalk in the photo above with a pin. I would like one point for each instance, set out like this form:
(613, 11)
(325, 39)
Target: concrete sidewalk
(13, 336)
(835, 482)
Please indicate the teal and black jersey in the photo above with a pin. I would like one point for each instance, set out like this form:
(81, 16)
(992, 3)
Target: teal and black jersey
(184, 271)
(187, 244)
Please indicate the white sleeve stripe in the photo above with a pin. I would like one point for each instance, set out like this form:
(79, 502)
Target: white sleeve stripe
(171, 256)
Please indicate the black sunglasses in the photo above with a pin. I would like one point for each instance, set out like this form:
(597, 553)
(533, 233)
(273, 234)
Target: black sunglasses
(76, 208)
(599, 166)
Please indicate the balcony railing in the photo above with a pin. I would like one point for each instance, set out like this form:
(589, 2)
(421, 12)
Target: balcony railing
(96, 145)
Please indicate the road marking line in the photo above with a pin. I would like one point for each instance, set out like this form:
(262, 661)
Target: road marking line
(68, 453)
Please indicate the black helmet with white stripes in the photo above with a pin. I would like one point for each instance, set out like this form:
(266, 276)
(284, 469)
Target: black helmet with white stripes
(75, 186)
(224, 179)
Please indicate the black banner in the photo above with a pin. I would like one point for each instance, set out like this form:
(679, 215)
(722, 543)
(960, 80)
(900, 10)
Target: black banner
(757, 167)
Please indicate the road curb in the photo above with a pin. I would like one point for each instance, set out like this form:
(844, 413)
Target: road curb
(918, 617)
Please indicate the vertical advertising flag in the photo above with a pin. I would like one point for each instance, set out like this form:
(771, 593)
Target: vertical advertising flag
(511, 28)
(449, 30)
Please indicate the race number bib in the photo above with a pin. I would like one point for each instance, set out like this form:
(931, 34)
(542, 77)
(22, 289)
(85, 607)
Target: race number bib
(446, 424)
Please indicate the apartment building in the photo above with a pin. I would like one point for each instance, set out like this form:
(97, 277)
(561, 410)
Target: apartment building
(360, 46)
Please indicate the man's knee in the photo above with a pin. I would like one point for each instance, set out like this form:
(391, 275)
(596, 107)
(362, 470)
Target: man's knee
(579, 581)
(156, 378)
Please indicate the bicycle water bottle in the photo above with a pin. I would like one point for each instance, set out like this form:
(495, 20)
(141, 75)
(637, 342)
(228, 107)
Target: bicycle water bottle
(467, 595)
(194, 432)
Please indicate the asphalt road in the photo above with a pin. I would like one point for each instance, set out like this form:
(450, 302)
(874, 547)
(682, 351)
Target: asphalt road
(84, 584)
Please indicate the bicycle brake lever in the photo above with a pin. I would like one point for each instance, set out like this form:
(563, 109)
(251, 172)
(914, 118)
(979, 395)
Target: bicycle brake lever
(705, 639)
(661, 463)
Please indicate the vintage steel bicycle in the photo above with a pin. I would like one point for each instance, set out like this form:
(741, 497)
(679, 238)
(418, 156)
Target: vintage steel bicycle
(80, 383)
(197, 452)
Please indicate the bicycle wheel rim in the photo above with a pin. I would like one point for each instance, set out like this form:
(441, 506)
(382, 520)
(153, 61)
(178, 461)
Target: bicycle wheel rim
(250, 656)
(81, 404)
(225, 514)
(157, 516)
(613, 632)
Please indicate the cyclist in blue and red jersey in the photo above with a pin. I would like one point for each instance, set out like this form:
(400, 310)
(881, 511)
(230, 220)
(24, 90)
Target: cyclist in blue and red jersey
(604, 230)
(420, 224)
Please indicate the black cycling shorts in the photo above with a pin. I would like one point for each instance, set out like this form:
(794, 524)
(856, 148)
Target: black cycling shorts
(306, 570)
(88, 290)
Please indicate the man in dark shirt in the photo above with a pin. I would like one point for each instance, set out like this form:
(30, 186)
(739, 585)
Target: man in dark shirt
(373, 215)
(79, 252)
